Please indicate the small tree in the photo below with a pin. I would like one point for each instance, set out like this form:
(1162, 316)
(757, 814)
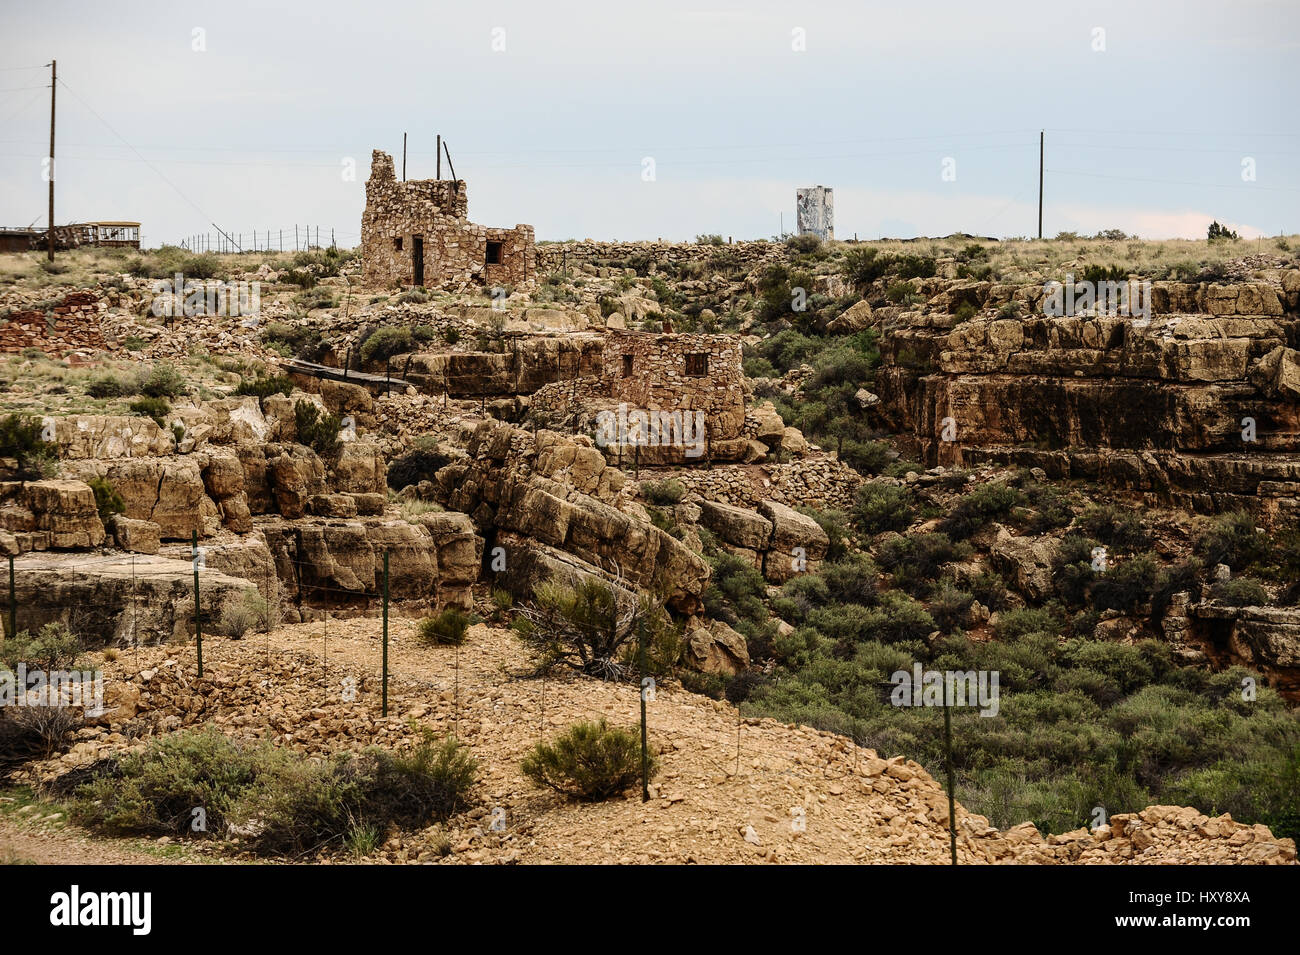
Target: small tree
(1220, 233)
(589, 627)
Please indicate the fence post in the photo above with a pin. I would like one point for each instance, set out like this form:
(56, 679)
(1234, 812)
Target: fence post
(385, 709)
(645, 752)
(947, 758)
(198, 621)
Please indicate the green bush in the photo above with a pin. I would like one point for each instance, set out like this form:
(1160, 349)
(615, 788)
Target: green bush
(53, 647)
(882, 507)
(1125, 586)
(107, 501)
(20, 438)
(109, 386)
(161, 381)
(155, 408)
(985, 503)
(279, 801)
(263, 387)
(1117, 528)
(318, 431)
(590, 762)
(384, 343)
(447, 629)
(663, 493)
(1239, 592)
(1231, 539)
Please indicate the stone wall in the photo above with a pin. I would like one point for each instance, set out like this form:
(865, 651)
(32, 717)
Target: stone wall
(71, 325)
(673, 373)
(430, 215)
(650, 257)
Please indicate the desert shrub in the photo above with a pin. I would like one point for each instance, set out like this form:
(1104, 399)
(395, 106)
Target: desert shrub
(851, 579)
(107, 500)
(1115, 527)
(263, 387)
(155, 791)
(296, 339)
(915, 559)
(804, 244)
(155, 408)
(383, 343)
(965, 312)
(735, 590)
(897, 618)
(800, 595)
(20, 438)
(1231, 539)
(239, 614)
(1125, 586)
(663, 493)
(447, 629)
(989, 589)
(587, 627)
(52, 647)
(882, 507)
(915, 266)
(949, 606)
(317, 430)
(900, 293)
(986, 502)
(415, 466)
(416, 295)
(109, 386)
(1239, 592)
(409, 790)
(590, 762)
(1013, 625)
(35, 732)
(863, 265)
(161, 381)
(280, 802)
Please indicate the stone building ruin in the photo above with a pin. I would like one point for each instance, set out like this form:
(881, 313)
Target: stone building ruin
(417, 232)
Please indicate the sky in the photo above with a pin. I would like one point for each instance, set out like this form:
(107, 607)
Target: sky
(626, 121)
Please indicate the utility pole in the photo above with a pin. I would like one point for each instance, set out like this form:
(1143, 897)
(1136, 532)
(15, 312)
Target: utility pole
(54, 82)
(1040, 183)
(440, 155)
(403, 157)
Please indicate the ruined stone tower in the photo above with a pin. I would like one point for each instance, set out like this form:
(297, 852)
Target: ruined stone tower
(417, 233)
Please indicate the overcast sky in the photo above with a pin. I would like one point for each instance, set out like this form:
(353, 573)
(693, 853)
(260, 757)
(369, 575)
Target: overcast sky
(181, 114)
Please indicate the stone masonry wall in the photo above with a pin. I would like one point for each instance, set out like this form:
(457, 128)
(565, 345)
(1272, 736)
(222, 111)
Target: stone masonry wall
(457, 253)
(71, 325)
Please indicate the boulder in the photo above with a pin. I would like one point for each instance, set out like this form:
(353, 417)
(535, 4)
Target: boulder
(138, 537)
(1026, 562)
(736, 525)
(67, 511)
(716, 649)
(798, 542)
